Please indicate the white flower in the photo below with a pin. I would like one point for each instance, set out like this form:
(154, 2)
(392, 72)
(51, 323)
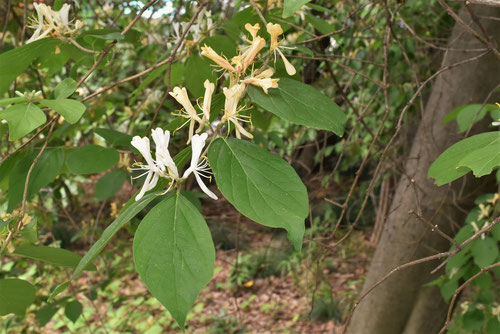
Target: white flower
(152, 170)
(164, 165)
(48, 21)
(199, 169)
(163, 158)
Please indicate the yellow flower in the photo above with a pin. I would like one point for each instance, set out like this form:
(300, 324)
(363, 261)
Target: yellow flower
(252, 29)
(263, 80)
(257, 44)
(275, 30)
(221, 61)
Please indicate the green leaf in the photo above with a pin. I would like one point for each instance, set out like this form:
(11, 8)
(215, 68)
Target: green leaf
(182, 158)
(109, 184)
(319, 24)
(222, 44)
(473, 320)
(15, 61)
(198, 70)
(91, 159)
(484, 252)
(44, 172)
(65, 88)
(45, 313)
(71, 110)
(73, 310)
(448, 289)
(468, 114)
(129, 211)
(174, 254)
(291, 6)
(302, 104)
(493, 326)
(15, 296)
(114, 138)
(22, 119)
(483, 159)
(454, 162)
(57, 256)
(261, 185)
(303, 49)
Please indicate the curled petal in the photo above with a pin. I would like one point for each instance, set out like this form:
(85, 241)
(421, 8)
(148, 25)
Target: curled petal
(274, 30)
(252, 29)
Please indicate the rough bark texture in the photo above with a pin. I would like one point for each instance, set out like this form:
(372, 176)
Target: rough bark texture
(401, 304)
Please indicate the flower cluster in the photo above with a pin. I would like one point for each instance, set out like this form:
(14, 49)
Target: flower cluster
(237, 68)
(53, 23)
(164, 166)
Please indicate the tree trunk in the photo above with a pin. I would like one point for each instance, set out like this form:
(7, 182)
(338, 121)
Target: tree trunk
(402, 304)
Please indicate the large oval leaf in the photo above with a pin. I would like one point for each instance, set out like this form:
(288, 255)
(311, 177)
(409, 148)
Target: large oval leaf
(71, 110)
(479, 153)
(261, 185)
(15, 296)
(174, 254)
(92, 159)
(44, 172)
(302, 104)
(22, 119)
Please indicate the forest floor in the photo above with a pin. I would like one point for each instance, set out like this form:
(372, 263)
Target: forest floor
(270, 289)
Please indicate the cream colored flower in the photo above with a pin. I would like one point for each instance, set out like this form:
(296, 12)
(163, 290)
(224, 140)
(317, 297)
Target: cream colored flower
(263, 80)
(214, 56)
(249, 55)
(207, 103)
(181, 96)
(275, 31)
(252, 29)
(231, 110)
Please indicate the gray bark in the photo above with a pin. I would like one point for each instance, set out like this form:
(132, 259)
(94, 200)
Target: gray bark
(402, 304)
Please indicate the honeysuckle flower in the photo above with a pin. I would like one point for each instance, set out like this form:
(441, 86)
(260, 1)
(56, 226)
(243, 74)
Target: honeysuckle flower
(275, 30)
(249, 55)
(214, 56)
(163, 159)
(252, 29)
(207, 103)
(151, 168)
(263, 80)
(164, 165)
(231, 110)
(484, 211)
(197, 167)
(52, 22)
(181, 96)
